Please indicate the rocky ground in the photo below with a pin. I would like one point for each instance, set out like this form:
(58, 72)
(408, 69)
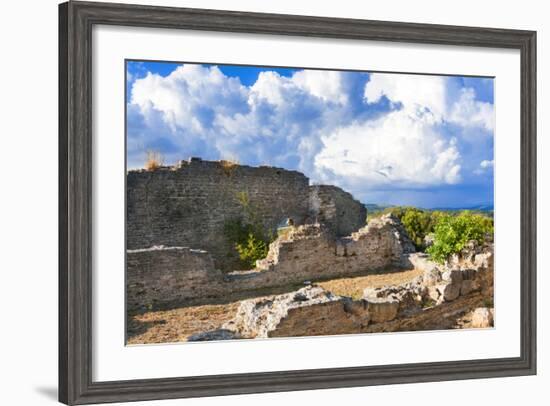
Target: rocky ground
(429, 296)
(175, 325)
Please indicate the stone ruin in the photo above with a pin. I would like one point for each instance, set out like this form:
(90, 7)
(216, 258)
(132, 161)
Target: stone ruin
(164, 276)
(188, 204)
(444, 296)
(177, 252)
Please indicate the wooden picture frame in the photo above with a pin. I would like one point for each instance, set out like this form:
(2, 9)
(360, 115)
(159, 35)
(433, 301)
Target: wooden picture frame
(76, 20)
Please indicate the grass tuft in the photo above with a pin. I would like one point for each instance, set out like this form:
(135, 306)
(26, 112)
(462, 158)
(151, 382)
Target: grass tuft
(154, 160)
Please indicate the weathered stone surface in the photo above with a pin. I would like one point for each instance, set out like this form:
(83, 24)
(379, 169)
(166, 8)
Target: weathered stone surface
(308, 311)
(434, 294)
(482, 317)
(189, 203)
(432, 274)
(452, 276)
(215, 335)
(411, 306)
(164, 275)
(336, 209)
(381, 309)
(468, 286)
(449, 291)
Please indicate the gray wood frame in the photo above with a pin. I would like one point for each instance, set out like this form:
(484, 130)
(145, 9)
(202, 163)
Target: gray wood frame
(76, 20)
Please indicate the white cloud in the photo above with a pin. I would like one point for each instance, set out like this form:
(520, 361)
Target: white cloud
(420, 95)
(190, 96)
(327, 85)
(469, 112)
(484, 167)
(395, 149)
(313, 121)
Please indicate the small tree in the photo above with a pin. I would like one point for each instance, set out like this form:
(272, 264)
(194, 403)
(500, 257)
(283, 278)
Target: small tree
(418, 223)
(451, 233)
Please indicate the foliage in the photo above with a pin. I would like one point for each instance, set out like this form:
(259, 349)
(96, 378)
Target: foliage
(452, 232)
(418, 223)
(247, 234)
(252, 249)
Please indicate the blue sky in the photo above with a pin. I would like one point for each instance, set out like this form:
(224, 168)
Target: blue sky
(387, 138)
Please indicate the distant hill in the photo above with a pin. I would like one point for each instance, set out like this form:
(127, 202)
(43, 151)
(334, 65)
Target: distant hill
(375, 208)
(480, 207)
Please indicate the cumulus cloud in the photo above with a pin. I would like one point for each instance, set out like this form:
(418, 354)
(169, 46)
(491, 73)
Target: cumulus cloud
(356, 130)
(469, 112)
(419, 94)
(396, 149)
(484, 167)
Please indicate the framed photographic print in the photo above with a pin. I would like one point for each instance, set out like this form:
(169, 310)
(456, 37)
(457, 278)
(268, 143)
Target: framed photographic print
(258, 202)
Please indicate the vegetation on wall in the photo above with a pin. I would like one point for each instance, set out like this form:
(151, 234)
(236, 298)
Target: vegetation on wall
(247, 234)
(154, 160)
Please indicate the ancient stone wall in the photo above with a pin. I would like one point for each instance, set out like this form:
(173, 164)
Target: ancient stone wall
(189, 204)
(164, 275)
(337, 209)
(161, 276)
(456, 295)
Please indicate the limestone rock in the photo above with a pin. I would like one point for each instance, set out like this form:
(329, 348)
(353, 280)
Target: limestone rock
(214, 335)
(468, 286)
(482, 317)
(381, 309)
(453, 276)
(432, 274)
(308, 311)
(449, 291)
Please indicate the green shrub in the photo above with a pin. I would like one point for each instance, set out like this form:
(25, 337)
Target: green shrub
(418, 223)
(251, 250)
(249, 240)
(247, 234)
(452, 232)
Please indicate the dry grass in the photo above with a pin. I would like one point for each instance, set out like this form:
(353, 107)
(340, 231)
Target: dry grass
(229, 165)
(154, 160)
(176, 325)
(353, 287)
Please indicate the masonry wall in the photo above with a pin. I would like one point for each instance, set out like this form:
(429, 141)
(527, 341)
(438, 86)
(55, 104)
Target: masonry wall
(188, 204)
(163, 276)
(337, 209)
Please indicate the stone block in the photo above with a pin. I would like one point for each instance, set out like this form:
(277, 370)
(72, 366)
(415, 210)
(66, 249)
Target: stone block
(449, 291)
(382, 309)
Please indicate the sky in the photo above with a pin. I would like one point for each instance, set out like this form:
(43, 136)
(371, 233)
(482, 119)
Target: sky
(387, 138)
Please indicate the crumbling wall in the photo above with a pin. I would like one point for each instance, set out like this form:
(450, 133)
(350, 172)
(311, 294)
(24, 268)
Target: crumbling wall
(337, 209)
(161, 276)
(444, 297)
(189, 204)
(310, 250)
(164, 275)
